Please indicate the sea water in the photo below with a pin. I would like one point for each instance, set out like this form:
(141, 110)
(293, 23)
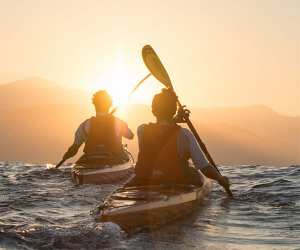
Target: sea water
(41, 208)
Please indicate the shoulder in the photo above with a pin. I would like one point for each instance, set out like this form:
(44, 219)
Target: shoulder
(86, 122)
(119, 124)
(89, 119)
(186, 133)
(119, 121)
(185, 136)
(83, 129)
(141, 128)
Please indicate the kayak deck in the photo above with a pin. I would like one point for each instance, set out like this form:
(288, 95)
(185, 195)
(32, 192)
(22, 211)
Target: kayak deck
(151, 206)
(101, 174)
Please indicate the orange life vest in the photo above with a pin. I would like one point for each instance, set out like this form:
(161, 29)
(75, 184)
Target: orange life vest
(102, 138)
(158, 158)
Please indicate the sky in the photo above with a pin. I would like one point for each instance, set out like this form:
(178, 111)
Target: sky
(217, 53)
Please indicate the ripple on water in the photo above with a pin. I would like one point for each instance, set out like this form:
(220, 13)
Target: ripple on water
(42, 209)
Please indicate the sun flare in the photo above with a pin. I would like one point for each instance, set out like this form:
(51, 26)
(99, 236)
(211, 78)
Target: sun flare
(119, 80)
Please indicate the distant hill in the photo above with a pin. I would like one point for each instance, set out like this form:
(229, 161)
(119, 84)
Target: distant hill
(256, 135)
(38, 120)
(36, 91)
(242, 135)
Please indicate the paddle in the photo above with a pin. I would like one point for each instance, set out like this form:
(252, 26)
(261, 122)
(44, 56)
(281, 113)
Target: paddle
(60, 163)
(133, 90)
(157, 69)
(114, 110)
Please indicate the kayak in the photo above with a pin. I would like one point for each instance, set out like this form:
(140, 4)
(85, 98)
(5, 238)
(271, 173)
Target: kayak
(101, 174)
(151, 206)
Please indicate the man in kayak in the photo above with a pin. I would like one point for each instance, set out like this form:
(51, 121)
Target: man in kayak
(165, 148)
(102, 135)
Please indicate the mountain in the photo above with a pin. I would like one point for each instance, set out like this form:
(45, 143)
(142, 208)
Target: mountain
(38, 120)
(256, 135)
(241, 135)
(37, 91)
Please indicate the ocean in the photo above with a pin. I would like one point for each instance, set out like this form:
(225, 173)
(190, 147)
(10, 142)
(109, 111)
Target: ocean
(42, 209)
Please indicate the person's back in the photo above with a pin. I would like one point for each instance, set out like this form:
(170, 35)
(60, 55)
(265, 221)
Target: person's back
(158, 159)
(102, 135)
(165, 148)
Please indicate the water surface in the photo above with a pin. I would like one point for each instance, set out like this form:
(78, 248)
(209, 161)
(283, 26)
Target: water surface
(42, 209)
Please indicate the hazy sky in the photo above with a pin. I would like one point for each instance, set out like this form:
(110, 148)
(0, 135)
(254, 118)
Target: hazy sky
(217, 52)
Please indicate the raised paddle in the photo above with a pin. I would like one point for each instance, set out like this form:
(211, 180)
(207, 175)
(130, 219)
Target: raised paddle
(133, 90)
(154, 65)
(114, 110)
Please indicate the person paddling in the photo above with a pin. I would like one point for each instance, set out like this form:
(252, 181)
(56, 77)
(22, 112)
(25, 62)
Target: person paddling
(165, 148)
(102, 135)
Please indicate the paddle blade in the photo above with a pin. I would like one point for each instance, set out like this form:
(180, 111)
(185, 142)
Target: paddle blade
(155, 66)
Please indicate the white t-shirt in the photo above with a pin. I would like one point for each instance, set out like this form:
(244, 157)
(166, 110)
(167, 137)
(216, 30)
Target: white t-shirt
(82, 132)
(187, 146)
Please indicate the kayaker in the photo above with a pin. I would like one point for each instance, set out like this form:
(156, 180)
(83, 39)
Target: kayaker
(102, 135)
(165, 148)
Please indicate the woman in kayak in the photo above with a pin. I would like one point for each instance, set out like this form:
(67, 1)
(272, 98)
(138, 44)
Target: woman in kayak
(102, 135)
(165, 148)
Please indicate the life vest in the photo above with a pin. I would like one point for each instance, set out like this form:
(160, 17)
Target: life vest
(158, 158)
(102, 140)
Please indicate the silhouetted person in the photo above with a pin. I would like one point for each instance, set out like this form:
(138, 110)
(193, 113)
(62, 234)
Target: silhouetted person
(165, 148)
(102, 135)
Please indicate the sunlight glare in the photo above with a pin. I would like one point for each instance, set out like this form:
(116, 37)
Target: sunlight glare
(120, 78)
(117, 82)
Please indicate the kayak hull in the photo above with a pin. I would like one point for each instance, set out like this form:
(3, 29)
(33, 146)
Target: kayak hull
(101, 174)
(152, 206)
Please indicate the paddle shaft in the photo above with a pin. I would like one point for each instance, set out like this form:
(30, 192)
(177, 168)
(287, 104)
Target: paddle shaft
(60, 163)
(132, 91)
(203, 147)
(200, 142)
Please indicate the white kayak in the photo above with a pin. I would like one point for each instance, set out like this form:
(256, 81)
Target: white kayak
(151, 206)
(101, 174)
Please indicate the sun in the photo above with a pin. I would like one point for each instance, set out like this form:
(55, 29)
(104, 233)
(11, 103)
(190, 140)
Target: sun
(116, 82)
(119, 78)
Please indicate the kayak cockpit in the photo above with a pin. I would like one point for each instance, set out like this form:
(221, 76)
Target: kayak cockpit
(151, 206)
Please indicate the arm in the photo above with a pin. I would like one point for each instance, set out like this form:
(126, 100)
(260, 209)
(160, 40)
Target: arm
(123, 129)
(129, 135)
(211, 172)
(200, 161)
(140, 131)
(80, 137)
(72, 151)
